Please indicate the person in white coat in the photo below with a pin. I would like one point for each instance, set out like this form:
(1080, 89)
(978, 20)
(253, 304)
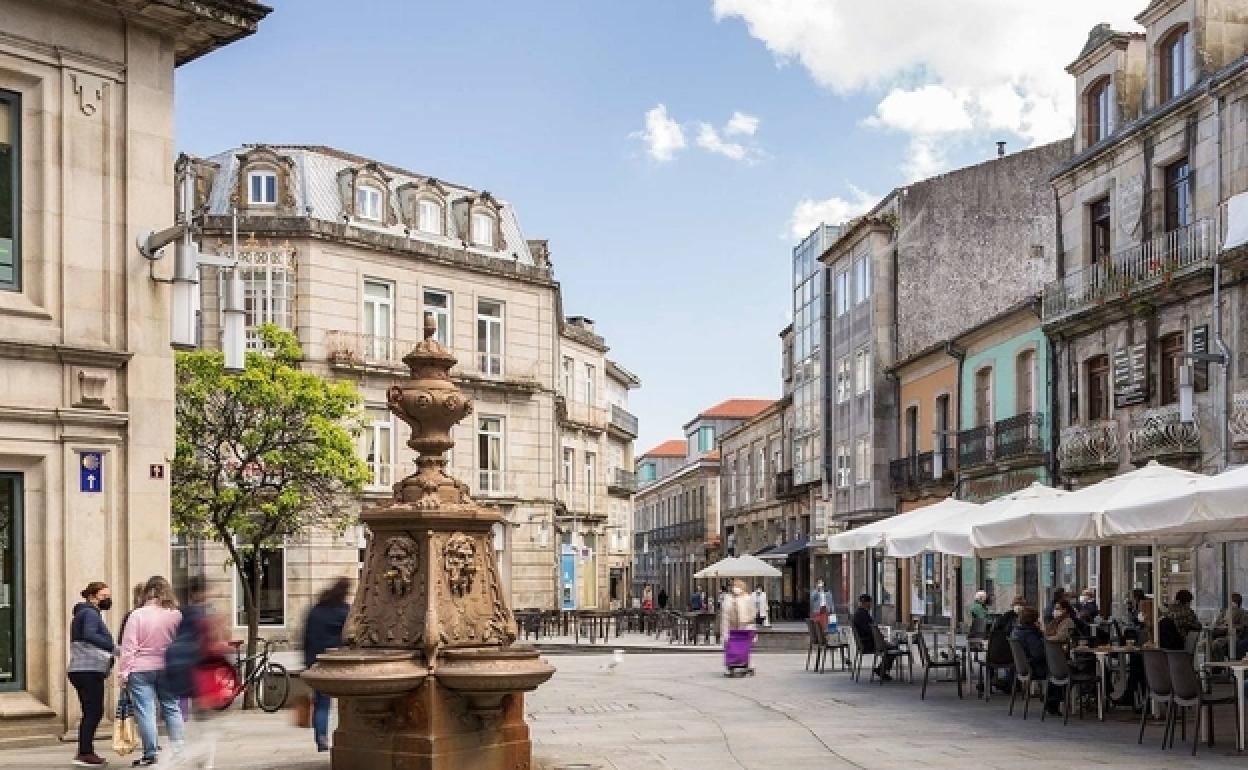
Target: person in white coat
(737, 611)
(762, 610)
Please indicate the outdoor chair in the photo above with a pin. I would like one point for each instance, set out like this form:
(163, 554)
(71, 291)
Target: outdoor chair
(1189, 693)
(1061, 675)
(956, 665)
(1160, 691)
(884, 653)
(859, 646)
(827, 646)
(1022, 676)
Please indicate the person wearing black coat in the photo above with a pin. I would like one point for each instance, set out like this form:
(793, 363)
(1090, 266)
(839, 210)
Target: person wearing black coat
(90, 659)
(322, 632)
(863, 622)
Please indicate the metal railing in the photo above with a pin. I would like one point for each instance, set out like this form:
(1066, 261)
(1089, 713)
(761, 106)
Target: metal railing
(1137, 268)
(623, 420)
(908, 473)
(355, 350)
(1018, 436)
(1159, 433)
(618, 478)
(1088, 447)
(975, 446)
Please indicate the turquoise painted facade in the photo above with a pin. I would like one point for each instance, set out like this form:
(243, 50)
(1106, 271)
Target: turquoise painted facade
(1003, 358)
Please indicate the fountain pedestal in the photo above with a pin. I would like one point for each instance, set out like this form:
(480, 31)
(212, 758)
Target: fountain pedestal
(430, 678)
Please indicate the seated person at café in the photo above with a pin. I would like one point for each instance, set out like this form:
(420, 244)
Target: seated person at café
(1062, 627)
(1058, 595)
(863, 623)
(1027, 632)
(1233, 617)
(1179, 620)
(1087, 605)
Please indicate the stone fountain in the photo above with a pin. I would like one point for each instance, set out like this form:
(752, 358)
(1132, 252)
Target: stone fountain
(430, 678)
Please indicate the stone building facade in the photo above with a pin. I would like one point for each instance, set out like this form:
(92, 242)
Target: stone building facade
(86, 370)
(1144, 282)
(350, 254)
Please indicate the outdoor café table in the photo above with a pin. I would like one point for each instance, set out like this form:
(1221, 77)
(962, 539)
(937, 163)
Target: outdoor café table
(1237, 668)
(1102, 654)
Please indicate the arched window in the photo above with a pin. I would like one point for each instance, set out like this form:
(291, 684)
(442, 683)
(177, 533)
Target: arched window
(1025, 382)
(1099, 110)
(1174, 57)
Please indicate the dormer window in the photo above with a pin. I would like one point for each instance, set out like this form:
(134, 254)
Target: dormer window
(429, 217)
(1099, 106)
(1175, 54)
(483, 230)
(368, 202)
(262, 188)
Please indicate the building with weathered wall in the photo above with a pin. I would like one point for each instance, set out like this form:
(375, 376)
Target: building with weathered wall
(86, 370)
(1162, 145)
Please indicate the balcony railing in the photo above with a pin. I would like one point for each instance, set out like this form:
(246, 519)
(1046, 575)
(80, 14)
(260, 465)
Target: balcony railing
(506, 485)
(363, 351)
(1140, 267)
(1239, 419)
(620, 480)
(693, 529)
(784, 485)
(1018, 436)
(584, 414)
(911, 473)
(581, 499)
(1158, 433)
(623, 420)
(1084, 448)
(975, 446)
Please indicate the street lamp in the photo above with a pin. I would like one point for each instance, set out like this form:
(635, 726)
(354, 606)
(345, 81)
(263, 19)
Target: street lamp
(1187, 388)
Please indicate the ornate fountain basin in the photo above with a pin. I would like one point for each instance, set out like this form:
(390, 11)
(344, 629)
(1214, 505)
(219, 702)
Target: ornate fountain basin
(492, 670)
(367, 673)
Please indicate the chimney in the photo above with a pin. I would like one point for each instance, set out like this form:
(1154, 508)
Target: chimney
(1000, 149)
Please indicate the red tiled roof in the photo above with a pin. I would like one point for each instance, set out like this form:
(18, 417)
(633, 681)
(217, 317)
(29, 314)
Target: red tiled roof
(676, 447)
(737, 408)
(711, 455)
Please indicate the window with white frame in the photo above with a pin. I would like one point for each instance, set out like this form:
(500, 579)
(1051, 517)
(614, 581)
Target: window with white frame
(569, 461)
(568, 373)
(843, 378)
(490, 337)
(268, 277)
(271, 599)
(842, 466)
(368, 202)
(490, 453)
(262, 188)
(378, 318)
(745, 478)
(379, 454)
(862, 280)
(760, 474)
(482, 230)
(429, 216)
(591, 479)
(438, 304)
(842, 293)
(862, 371)
(862, 459)
(590, 384)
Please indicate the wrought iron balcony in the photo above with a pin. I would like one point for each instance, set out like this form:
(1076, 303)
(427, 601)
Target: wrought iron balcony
(909, 475)
(1159, 434)
(975, 446)
(1092, 447)
(621, 481)
(1141, 267)
(1019, 436)
(784, 485)
(1239, 419)
(623, 421)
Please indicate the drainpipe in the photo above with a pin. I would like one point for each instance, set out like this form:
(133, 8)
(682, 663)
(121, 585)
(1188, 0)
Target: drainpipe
(959, 355)
(1055, 401)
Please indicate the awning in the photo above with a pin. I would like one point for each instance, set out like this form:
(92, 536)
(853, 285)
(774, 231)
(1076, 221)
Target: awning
(764, 549)
(783, 552)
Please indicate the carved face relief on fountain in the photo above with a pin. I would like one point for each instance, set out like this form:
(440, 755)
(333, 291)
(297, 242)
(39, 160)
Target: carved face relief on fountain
(460, 563)
(401, 564)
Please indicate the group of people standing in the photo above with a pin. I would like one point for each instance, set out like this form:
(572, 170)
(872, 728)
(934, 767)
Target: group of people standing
(160, 649)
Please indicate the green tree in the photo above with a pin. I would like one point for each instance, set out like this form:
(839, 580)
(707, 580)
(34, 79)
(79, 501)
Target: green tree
(262, 455)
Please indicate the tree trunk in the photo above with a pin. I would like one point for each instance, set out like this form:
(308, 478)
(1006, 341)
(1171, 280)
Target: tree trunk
(251, 589)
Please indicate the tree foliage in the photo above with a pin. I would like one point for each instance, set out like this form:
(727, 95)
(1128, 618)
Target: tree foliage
(262, 455)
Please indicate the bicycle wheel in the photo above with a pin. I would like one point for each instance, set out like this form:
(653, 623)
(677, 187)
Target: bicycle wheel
(272, 688)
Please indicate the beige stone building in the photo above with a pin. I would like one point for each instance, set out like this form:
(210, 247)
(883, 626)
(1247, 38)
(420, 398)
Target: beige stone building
(86, 370)
(350, 254)
(1162, 145)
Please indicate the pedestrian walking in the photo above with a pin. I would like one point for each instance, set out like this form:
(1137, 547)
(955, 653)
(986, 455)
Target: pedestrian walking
(762, 608)
(199, 673)
(321, 632)
(662, 598)
(91, 651)
(647, 598)
(150, 630)
(737, 618)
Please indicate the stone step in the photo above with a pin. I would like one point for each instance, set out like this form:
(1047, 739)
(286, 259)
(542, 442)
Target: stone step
(22, 732)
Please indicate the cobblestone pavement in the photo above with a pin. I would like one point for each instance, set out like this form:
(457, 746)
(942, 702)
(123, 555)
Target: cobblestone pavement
(679, 711)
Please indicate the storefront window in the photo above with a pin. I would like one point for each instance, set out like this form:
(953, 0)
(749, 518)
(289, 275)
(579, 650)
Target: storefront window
(12, 634)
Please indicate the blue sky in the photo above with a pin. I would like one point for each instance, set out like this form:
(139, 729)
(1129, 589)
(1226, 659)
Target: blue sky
(683, 262)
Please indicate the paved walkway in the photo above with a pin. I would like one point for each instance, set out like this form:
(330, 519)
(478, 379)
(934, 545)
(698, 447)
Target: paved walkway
(657, 712)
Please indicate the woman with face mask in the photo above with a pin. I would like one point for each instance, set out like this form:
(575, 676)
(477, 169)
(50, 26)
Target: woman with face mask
(90, 658)
(1062, 627)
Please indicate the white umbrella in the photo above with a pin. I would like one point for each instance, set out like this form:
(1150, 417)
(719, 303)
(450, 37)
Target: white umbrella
(1185, 511)
(953, 534)
(870, 535)
(738, 566)
(757, 567)
(920, 532)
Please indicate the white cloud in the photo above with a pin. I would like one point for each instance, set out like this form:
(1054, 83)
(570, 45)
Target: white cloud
(958, 68)
(741, 124)
(925, 157)
(663, 136)
(809, 213)
(709, 140)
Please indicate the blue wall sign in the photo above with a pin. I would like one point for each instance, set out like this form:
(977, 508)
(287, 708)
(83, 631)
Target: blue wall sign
(567, 577)
(90, 471)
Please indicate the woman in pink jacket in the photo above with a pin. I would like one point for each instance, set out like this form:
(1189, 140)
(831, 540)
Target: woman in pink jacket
(148, 633)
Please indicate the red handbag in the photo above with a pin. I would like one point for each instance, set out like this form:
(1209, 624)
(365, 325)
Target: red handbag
(216, 684)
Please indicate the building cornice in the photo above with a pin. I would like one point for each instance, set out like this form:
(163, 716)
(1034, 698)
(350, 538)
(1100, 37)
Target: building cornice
(82, 418)
(24, 350)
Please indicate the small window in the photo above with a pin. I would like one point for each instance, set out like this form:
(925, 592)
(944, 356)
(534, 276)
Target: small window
(983, 396)
(490, 337)
(1025, 382)
(1099, 216)
(379, 454)
(1099, 106)
(10, 193)
(862, 371)
(368, 203)
(1171, 360)
(567, 376)
(706, 438)
(438, 304)
(842, 293)
(862, 458)
(862, 280)
(843, 385)
(490, 453)
(1178, 195)
(842, 466)
(1097, 368)
(1176, 54)
(591, 385)
(262, 188)
(429, 217)
(912, 432)
(483, 230)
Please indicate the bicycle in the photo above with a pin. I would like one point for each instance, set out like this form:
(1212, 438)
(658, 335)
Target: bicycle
(269, 678)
